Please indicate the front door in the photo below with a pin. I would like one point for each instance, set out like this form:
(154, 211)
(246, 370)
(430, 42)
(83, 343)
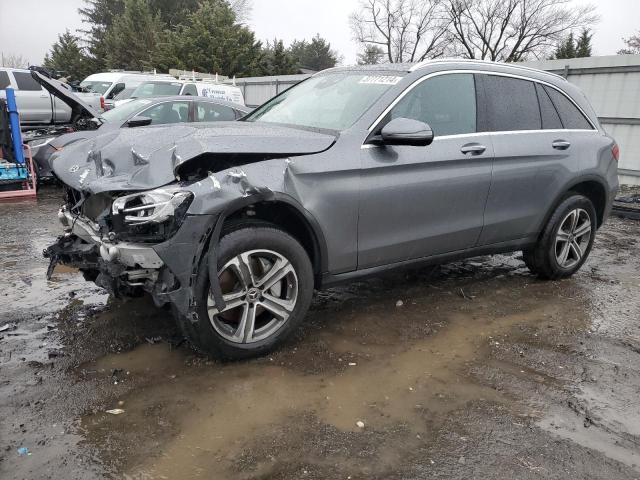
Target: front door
(421, 201)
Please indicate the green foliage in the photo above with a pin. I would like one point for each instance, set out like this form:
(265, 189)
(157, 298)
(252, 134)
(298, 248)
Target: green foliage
(68, 58)
(202, 35)
(133, 37)
(572, 48)
(278, 60)
(567, 49)
(370, 55)
(583, 44)
(315, 55)
(210, 40)
(99, 16)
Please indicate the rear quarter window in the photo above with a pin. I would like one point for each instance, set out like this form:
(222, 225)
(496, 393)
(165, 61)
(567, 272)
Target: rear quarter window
(4, 80)
(550, 117)
(571, 116)
(25, 81)
(511, 104)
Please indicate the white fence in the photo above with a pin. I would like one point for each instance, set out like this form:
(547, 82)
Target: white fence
(612, 84)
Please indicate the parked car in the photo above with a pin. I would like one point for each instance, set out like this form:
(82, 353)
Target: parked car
(353, 172)
(36, 105)
(157, 88)
(109, 84)
(140, 112)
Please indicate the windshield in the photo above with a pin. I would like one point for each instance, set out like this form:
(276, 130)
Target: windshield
(124, 112)
(331, 101)
(156, 89)
(96, 87)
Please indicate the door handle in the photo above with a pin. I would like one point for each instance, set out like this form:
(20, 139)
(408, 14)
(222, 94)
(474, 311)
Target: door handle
(473, 149)
(560, 145)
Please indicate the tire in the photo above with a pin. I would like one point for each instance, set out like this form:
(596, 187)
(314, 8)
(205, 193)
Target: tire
(261, 248)
(560, 253)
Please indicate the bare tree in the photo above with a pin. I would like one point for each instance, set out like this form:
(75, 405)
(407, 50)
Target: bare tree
(13, 61)
(242, 9)
(633, 45)
(407, 30)
(513, 30)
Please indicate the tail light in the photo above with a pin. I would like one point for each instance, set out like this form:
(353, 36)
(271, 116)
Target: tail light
(615, 151)
(102, 103)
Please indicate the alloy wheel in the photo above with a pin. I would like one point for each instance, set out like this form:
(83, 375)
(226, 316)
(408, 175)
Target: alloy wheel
(260, 289)
(573, 237)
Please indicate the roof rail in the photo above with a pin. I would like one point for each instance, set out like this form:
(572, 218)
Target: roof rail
(425, 63)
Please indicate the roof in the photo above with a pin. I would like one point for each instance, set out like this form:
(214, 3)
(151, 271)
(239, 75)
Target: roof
(411, 67)
(514, 66)
(112, 76)
(237, 106)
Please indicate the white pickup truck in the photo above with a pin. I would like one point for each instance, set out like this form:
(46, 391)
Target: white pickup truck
(36, 105)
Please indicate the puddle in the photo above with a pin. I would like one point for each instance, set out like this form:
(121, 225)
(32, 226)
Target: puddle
(395, 369)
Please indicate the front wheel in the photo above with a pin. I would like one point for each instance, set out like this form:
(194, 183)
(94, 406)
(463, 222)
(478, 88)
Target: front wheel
(266, 280)
(566, 240)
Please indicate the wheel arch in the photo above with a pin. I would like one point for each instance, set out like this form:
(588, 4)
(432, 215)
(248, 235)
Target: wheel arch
(282, 211)
(591, 186)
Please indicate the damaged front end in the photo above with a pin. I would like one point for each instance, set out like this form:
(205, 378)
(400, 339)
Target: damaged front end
(114, 239)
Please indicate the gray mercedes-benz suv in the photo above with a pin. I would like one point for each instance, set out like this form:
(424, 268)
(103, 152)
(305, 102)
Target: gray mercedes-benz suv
(352, 172)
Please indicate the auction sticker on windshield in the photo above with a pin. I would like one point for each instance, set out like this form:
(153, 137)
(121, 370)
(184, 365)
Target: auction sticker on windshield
(380, 80)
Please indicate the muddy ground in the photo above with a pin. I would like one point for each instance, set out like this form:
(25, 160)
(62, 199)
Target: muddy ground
(474, 370)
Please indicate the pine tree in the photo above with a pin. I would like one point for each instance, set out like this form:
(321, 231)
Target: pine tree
(210, 40)
(315, 55)
(370, 55)
(68, 58)
(567, 49)
(133, 37)
(583, 44)
(278, 60)
(99, 16)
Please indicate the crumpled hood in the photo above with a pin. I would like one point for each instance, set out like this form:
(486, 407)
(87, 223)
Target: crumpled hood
(146, 158)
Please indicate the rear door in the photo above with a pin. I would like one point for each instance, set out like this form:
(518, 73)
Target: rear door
(33, 101)
(531, 161)
(213, 112)
(422, 201)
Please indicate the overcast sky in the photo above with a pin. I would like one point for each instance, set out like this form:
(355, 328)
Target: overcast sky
(29, 27)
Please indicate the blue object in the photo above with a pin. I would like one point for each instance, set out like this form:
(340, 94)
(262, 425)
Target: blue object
(12, 171)
(14, 124)
(22, 451)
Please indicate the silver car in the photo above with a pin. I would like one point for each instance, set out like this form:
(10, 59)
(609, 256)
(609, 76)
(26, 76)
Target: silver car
(353, 172)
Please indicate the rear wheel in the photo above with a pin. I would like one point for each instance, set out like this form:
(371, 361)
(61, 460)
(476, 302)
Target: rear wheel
(266, 281)
(566, 240)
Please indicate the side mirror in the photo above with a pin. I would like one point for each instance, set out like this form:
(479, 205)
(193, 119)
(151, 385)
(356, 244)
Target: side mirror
(405, 131)
(139, 121)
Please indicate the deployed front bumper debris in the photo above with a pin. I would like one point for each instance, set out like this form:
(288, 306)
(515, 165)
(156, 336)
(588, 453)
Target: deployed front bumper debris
(119, 267)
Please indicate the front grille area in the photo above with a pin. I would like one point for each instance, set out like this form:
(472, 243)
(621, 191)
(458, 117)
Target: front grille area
(93, 207)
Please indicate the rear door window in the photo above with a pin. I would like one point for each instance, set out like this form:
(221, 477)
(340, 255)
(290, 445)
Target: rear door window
(572, 117)
(4, 80)
(550, 117)
(25, 81)
(213, 112)
(167, 112)
(447, 103)
(511, 104)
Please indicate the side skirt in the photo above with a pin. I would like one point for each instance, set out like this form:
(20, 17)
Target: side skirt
(329, 279)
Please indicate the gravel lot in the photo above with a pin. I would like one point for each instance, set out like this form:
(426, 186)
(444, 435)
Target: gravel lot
(472, 370)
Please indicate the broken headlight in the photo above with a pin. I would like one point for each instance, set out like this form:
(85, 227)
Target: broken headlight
(150, 216)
